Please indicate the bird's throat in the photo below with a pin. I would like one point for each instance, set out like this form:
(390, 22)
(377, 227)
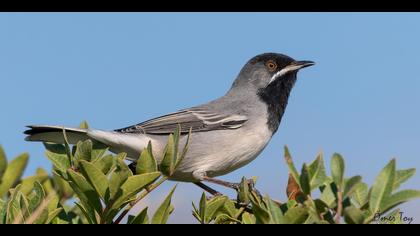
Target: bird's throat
(276, 96)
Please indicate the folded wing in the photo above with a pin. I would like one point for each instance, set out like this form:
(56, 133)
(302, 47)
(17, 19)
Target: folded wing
(198, 119)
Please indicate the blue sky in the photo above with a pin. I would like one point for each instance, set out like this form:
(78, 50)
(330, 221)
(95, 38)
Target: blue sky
(116, 69)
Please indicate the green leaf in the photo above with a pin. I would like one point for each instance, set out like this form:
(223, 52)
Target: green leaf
(321, 207)
(401, 176)
(213, 206)
(56, 153)
(67, 147)
(312, 218)
(225, 219)
(196, 213)
(167, 165)
(248, 218)
(162, 213)
(47, 184)
(291, 203)
(255, 198)
(315, 208)
(146, 162)
(353, 215)
(13, 206)
(96, 178)
(98, 150)
(304, 180)
(84, 125)
(122, 166)
(118, 176)
(24, 206)
(317, 172)
(292, 169)
(398, 198)
(260, 213)
(337, 170)
(3, 162)
(141, 218)
(351, 185)
(3, 211)
(177, 137)
(185, 149)
(243, 194)
(53, 214)
(392, 218)
(42, 218)
(276, 215)
(55, 148)
(63, 188)
(229, 208)
(115, 183)
(121, 156)
(28, 183)
(13, 173)
(382, 188)
(134, 184)
(36, 196)
(361, 194)
(84, 150)
(105, 163)
(54, 202)
(328, 196)
(88, 215)
(203, 206)
(296, 215)
(86, 193)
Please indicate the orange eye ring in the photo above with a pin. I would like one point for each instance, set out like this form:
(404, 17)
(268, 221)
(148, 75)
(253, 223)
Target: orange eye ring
(271, 65)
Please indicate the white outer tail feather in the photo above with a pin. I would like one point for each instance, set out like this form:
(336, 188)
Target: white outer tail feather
(54, 134)
(118, 142)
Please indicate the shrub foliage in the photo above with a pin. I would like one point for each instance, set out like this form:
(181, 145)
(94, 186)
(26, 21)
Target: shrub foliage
(88, 185)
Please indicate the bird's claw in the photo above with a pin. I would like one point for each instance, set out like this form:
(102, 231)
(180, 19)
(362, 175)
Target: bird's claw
(251, 184)
(251, 187)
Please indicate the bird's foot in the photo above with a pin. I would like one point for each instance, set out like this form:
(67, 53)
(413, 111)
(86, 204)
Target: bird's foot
(235, 186)
(252, 188)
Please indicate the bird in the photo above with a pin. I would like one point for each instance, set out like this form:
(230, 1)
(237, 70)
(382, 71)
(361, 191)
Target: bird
(227, 133)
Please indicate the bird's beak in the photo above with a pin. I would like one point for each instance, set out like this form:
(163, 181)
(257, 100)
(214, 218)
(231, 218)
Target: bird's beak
(297, 65)
(294, 66)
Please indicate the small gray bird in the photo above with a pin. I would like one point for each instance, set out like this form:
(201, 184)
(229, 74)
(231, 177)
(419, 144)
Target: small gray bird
(227, 133)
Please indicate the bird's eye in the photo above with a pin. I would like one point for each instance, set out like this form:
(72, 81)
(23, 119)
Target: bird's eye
(271, 65)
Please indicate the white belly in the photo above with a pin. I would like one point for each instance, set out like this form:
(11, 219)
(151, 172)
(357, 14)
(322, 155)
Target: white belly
(213, 156)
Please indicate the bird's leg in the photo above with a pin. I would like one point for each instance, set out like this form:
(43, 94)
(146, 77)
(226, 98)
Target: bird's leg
(234, 186)
(208, 189)
(226, 184)
(251, 184)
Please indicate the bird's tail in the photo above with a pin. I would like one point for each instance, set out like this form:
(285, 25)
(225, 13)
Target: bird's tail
(117, 142)
(54, 134)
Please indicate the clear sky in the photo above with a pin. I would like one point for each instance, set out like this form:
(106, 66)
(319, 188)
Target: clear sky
(116, 69)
